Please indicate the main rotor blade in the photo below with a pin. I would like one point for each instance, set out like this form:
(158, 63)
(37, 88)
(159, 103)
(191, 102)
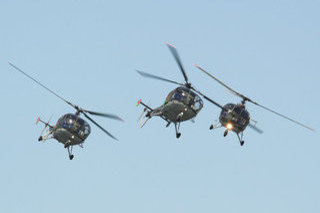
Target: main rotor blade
(18, 69)
(175, 54)
(207, 98)
(147, 75)
(112, 116)
(283, 116)
(105, 131)
(220, 82)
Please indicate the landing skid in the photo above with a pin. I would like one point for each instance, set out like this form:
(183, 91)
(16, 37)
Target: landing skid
(240, 138)
(71, 156)
(177, 127)
(239, 135)
(69, 147)
(216, 126)
(225, 133)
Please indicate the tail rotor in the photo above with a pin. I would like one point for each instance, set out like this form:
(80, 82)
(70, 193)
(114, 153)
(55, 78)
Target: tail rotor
(44, 135)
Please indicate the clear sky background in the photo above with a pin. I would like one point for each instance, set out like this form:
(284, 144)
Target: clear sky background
(87, 51)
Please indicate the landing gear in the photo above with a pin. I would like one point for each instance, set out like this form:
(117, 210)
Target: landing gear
(40, 138)
(178, 119)
(240, 138)
(69, 150)
(217, 125)
(177, 127)
(225, 133)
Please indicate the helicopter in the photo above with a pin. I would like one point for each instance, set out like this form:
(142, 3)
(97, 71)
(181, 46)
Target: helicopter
(181, 104)
(70, 129)
(235, 117)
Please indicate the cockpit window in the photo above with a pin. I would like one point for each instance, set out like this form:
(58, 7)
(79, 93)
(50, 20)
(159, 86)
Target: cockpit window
(237, 110)
(180, 95)
(198, 104)
(75, 124)
(169, 97)
(86, 129)
(187, 97)
(245, 114)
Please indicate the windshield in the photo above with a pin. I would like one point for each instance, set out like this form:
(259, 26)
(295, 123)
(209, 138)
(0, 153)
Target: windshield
(198, 104)
(238, 113)
(187, 97)
(74, 124)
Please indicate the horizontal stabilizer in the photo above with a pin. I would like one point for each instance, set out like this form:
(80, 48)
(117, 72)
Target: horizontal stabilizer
(255, 128)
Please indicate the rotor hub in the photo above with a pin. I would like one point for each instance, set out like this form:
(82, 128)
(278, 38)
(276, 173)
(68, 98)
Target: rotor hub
(188, 85)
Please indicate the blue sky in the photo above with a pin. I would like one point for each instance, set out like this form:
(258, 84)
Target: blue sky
(87, 51)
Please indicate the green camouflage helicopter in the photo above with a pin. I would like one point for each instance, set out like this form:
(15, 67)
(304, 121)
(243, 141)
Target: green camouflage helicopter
(70, 129)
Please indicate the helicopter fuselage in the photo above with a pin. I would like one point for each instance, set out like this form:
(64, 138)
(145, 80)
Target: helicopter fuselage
(234, 117)
(64, 136)
(181, 104)
(71, 130)
(176, 111)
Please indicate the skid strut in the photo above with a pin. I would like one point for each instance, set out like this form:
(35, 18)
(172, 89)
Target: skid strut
(240, 137)
(70, 152)
(177, 127)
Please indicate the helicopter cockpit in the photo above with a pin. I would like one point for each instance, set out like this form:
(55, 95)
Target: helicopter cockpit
(187, 97)
(235, 113)
(74, 124)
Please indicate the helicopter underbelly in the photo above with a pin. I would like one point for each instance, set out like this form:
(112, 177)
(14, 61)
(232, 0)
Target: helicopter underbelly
(238, 126)
(64, 136)
(176, 111)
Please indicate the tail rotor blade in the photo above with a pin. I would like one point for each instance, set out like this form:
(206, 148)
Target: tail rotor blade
(44, 128)
(143, 112)
(46, 124)
(144, 121)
